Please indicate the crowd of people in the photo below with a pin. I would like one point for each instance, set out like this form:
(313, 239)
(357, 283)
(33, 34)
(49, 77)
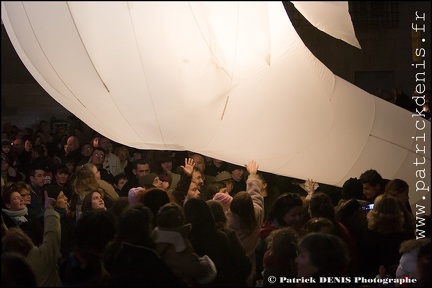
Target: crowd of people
(79, 209)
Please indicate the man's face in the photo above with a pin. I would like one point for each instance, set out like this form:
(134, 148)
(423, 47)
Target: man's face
(370, 191)
(98, 157)
(199, 162)
(197, 178)
(142, 169)
(105, 144)
(38, 179)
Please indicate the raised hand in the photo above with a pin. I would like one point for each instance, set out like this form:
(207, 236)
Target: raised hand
(189, 165)
(252, 167)
(49, 202)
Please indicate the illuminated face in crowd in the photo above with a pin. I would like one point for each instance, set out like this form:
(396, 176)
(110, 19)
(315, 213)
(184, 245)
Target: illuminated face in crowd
(197, 178)
(62, 201)
(142, 169)
(26, 195)
(193, 191)
(16, 202)
(38, 179)
(237, 174)
(97, 201)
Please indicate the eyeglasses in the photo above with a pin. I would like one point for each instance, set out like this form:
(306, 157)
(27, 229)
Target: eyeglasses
(98, 155)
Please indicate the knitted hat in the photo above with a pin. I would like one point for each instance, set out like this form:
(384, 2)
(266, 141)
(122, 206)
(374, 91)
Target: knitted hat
(53, 190)
(147, 180)
(222, 176)
(6, 142)
(224, 198)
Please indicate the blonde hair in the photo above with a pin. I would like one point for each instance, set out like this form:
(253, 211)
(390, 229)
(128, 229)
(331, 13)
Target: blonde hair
(387, 216)
(124, 149)
(85, 180)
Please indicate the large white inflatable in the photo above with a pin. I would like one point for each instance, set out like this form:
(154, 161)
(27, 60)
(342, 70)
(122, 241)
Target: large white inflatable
(230, 80)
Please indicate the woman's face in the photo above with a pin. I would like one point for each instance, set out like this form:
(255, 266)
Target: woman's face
(293, 216)
(97, 201)
(61, 178)
(305, 267)
(237, 174)
(62, 201)
(16, 202)
(26, 195)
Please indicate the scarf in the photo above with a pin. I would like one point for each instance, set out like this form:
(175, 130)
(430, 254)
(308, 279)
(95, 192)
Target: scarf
(17, 216)
(61, 211)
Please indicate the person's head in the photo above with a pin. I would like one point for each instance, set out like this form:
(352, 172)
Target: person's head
(321, 253)
(225, 199)
(352, 188)
(105, 144)
(155, 198)
(387, 215)
(237, 172)
(27, 143)
(218, 212)
(56, 192)
(17, 145)
(287, 210)
(123, 153)
(37, 176)
(120, 180)
(319, 224)
(95, 141)
(86, 179)
(25, 191)
(70, 162)
(6, 145)
(61, 174)
(87, 150)
(226, 178)
(142, 168)
(135, 226)
(193, 191)
(16, 241)
(283, 244)
(93, 201)
(12, 199)
(163, 161)
(372, 182)
(242, 206)
(98, 156)
(197, 177)
(5, 164)
(72, 144)
(199, 161)
(150, 181)
(16, 271)
(198, 213)
(398, 188)
(321, 205)
(170, 216)
(216, 187)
